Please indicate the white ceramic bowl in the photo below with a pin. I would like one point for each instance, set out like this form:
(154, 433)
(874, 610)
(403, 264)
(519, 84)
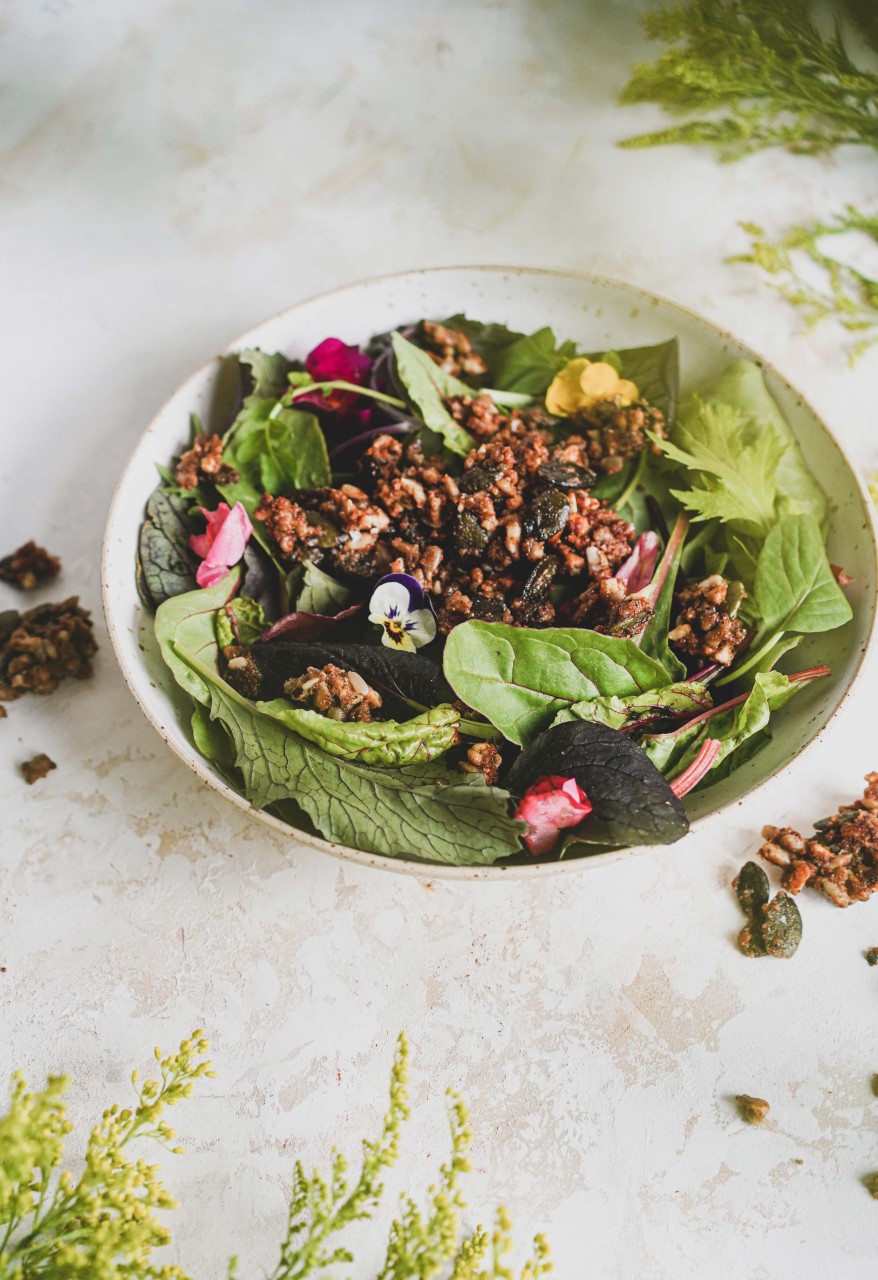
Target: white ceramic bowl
(596, 313)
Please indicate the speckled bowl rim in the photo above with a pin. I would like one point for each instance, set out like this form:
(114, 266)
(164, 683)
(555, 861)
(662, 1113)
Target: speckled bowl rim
(413, 866)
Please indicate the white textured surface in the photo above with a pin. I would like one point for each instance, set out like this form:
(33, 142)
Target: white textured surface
(170, 174)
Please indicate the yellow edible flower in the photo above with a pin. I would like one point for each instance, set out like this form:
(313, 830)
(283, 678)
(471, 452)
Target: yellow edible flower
(581, 383)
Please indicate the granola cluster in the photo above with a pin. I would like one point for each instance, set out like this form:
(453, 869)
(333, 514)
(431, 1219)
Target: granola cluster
(483, 758)
(203, 464)
(338, 694)
(841, 859)
(705, 628)
(451, 349)
(28, 566)
(39, 648)
(606, 606)
(487, 543)
(609, 433)
(36, 768)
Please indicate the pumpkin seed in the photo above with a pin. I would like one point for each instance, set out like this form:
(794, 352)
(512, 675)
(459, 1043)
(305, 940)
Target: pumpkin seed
(752, 887)
(753, 1110)
(477, 478)
(539, 580)
(548, 515)
(566, 475)
(469, 536)
(781, 926)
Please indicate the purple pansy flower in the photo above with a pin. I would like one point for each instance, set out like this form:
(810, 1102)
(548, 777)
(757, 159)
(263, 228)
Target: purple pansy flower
(333, 360)
(401, 608)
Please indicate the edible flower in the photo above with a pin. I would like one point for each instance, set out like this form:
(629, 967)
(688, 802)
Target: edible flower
(581, 383)
(553, 804)
(333, 361)
(549, 806)
(222, 543)
(401, 608)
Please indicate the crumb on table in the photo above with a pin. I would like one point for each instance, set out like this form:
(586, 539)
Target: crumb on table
(37, 767)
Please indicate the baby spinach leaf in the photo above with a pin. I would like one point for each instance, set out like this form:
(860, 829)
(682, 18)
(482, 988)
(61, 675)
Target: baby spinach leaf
(241, 621)
(427, 387)
(402, 678)
(655, 370)
(631, 801)
(211, 738)
(521, 362)
(382, 742)
(687, 698)
(274, 454)
(320, 593)
(520, 678)
(796, 589)
(192, 618)
(166, 564)
(420, 809)
(268, 373)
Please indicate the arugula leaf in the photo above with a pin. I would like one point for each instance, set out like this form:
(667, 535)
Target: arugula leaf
(520, 678)
(421, 810)
(274, 454)
(427, 387)
(166, 564)
(686, 698)
(382, 742)
(268, 373)
(241, 621)
(520, 362)
(320, 593)
(631, 801)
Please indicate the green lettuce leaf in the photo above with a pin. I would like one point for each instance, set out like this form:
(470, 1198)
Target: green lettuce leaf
(655, 370)
(320, 592)
(243, 614)
(421, 809)
(274, 454)
(520, 362)
(520, 678)
(687, 698)
(191, 618)
(427, 387)
(382, 742)
(268, 372)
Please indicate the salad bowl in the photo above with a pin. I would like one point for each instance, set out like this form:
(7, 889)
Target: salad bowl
(598, 315)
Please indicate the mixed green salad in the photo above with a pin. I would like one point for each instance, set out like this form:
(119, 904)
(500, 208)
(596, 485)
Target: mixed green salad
(467, 595)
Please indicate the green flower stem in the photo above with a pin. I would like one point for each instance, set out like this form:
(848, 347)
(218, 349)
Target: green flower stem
(339, 384)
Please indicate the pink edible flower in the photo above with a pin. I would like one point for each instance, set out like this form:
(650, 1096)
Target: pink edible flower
(333, 360)
(222, 543)
(638, 570)
(549, 806)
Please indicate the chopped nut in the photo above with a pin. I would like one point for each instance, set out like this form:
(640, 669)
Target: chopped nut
(451, 349)
(203, 463)
(870, 1182)
(842, 861)
(871, 955)
(483, 758)
(241, 671)
(705, 629)
(339, 694)
(37, 767)
(27, 567)
(753, 1110)
(43, 646)
(611, 433)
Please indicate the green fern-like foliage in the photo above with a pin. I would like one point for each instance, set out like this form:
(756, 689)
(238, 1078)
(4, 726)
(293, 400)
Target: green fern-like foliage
(756, 74)
(837, 291)
(104, 1225)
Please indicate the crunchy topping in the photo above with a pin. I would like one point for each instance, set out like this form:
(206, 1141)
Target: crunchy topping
(610, 432)
(606, 607)
(773, 928)
(28, 566)
(37, 767)
(753, 1110)
(241, 671)
(871, 955)
(705, 629)
(478, 414)
(483, 758)
(204, 462)
(451, 349)
(42, 646)
(339, 694)
(841, 860)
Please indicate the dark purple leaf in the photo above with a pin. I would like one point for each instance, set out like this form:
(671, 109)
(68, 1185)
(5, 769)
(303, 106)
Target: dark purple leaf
(302, 625)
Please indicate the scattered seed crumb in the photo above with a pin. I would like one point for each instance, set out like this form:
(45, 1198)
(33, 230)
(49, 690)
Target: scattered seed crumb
(37, 767)
(798, 1160)
(753, 1110)
(2, 711)
(870, 1182)
(871, 955)
(28, 566)
(875, 1085)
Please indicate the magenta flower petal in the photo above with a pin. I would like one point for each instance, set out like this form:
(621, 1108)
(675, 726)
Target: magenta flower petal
(549, 806)
(222, 543)
(333, 360)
